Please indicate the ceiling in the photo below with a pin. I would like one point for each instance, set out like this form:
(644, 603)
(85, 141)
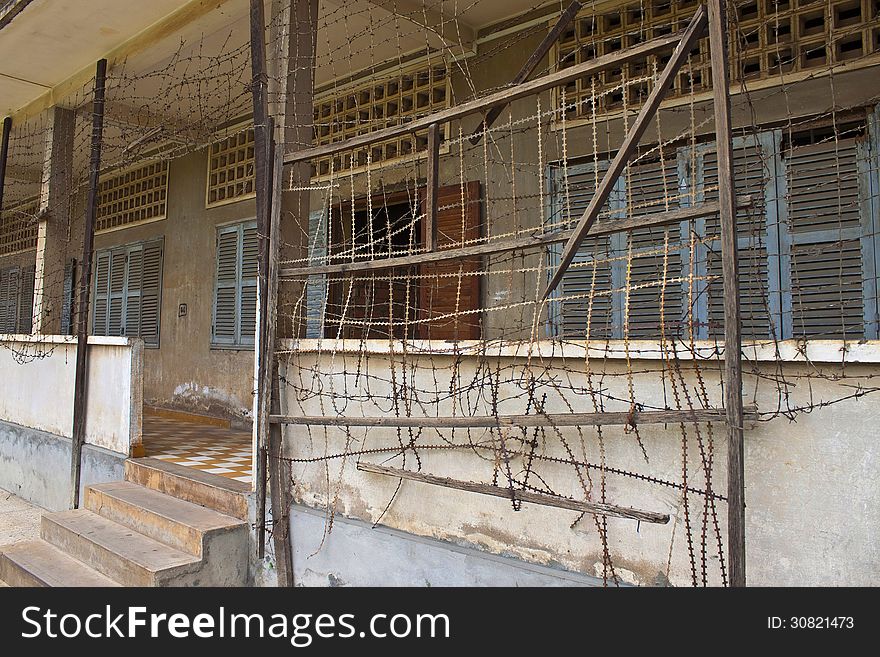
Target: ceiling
(49, 42)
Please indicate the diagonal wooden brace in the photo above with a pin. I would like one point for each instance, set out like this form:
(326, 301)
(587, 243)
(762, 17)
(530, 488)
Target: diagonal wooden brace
(695, 30)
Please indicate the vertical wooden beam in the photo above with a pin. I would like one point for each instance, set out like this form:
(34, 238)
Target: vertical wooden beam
(4, 155)
(262, 170)
(80, 393)
(433, 187)
(736, 513)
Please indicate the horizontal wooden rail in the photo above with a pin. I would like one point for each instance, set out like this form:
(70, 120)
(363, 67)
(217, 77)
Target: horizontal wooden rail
(502, 97)
(595, 508)
(604, 227)
(622, 418)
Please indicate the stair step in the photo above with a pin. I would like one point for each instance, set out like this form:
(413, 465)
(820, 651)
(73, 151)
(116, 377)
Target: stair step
(37, 563)
(180, 524)
(227, 496)
(117, 551)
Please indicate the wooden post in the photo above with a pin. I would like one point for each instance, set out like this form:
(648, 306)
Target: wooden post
(736, 512)
(433, 186)
(80, 391)
(262, 171)
(4, 155)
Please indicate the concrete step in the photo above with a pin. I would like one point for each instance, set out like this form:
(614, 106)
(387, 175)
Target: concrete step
(182, 525)
(224, 495)
(118, 552)
(36, 563)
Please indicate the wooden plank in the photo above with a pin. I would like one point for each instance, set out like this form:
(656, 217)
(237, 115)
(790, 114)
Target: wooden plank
(502, 97)
(262, 172)
(736, 513)
(694, 31)
(433, 185)
(531, 63)
(595, 508)
(605, 227)
(81, 383)
(4, 156)
(623, 418)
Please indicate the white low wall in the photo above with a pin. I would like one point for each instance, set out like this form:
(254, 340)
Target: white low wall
(812, 484)
(37, 387)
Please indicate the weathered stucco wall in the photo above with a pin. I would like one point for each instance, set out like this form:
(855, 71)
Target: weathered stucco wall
(813, 499)
(186, 372)
(38, 373)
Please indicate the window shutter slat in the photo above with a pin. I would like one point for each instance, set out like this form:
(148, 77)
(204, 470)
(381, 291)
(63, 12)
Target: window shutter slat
(653, 187)
(226, 289)
(753, 171)
(26, 301)
(823, 204)
(116, 299)
(316, 286)
(586, 288)
(134, 279)
(67, 301)
(151, 292)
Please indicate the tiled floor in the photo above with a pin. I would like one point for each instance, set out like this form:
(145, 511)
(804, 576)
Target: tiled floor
(219, 451)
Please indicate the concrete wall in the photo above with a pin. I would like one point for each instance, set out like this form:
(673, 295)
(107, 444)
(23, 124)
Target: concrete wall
(38, 373)
(813, 486)
(35, 465)
(186, 372)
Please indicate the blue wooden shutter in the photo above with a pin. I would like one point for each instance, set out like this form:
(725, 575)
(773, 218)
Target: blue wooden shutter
(101, 296)
(248, 262)
(225, 301)
(825, 197)
(132, 295)
(67, 301)
(116, 295)
(316, 286)
(9, 299)
(26, 300)
(651, 187)
(151, 292)
(755, 160)
(585, 298)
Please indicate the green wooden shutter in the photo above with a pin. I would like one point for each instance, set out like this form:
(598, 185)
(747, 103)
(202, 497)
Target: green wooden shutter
(248, 262)
(26, 301)
(101, 296)
(585, 292)
(151, 292)
(225, 302)
(823, 204)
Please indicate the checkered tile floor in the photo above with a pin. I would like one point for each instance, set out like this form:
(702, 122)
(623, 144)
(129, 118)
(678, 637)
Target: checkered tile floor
(219, 451)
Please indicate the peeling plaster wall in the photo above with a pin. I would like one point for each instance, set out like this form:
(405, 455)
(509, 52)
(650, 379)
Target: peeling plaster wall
(813, 487)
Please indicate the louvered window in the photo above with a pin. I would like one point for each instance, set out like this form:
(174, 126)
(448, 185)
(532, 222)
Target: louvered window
(808, 243)
(235, 292)
(16, 299)
(600, 290)
(127, 292)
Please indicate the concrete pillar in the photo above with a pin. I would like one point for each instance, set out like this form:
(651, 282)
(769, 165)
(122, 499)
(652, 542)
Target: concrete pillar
(54, 221)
